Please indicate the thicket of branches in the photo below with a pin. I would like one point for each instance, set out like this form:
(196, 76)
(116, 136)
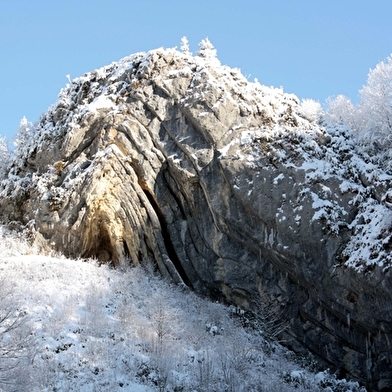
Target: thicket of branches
(16, 341)
(70, 325)
(371, 119)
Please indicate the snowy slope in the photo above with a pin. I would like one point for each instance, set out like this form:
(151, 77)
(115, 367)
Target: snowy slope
(248, 128)
(101, 329)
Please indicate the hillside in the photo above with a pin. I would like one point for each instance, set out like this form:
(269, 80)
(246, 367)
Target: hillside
(236, 190)
(95, 328)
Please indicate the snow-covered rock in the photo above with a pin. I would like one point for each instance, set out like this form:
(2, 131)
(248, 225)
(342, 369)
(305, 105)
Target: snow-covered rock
(229, 186)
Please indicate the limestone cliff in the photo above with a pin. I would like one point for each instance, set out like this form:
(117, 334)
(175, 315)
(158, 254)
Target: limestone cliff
(229, 186)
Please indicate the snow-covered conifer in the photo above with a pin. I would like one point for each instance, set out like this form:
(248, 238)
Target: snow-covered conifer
(185, 45)
(24, 138)
(4, 157)
(207, 50)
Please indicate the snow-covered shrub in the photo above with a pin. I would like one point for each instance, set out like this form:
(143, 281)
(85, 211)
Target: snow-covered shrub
(13, 243)
(371, 119)
(206, 373)
(16, 341)
(311, 110)
(341, 111)
(376, 102)
(235, 360)
(329, 383)
(4, 157)
(369, 245)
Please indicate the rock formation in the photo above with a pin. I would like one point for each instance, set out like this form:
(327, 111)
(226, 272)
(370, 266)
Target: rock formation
(229, 186)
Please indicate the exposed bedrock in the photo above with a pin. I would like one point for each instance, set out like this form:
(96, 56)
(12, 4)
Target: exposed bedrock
(229, 188)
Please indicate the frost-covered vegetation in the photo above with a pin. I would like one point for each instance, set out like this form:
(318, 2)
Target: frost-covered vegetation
(371, 118)
(72, 325)
(4, 157)
(75, 325)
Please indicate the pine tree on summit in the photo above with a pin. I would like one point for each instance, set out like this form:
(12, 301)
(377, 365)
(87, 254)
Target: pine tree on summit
(185, 46)
(207, 50)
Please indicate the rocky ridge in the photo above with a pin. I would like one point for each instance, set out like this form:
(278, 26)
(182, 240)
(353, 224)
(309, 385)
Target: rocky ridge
(231, 187)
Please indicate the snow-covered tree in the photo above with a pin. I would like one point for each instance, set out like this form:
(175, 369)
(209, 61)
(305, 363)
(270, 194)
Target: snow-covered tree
(25, 131)
(4, 157)
(376, 101)
(185, 45)
(311, 109)
(340, 110)
(15, 340)
(24, 138)
(207, 50)
(371, 119)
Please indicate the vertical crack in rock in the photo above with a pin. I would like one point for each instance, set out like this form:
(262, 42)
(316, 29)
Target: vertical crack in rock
(166, 237)
(227, 185)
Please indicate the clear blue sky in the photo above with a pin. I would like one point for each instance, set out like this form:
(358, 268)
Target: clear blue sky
(312, 48)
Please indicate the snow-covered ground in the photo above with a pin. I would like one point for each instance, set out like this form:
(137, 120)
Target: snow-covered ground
(85, 327)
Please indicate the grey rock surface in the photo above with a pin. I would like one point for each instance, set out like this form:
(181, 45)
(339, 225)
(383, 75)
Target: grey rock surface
(229, 187)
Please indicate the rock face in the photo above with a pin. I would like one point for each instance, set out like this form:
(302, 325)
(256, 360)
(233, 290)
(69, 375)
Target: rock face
(229, 186)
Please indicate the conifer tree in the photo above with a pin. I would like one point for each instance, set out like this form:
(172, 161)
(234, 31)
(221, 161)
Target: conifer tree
(207, 50)
(185, 45)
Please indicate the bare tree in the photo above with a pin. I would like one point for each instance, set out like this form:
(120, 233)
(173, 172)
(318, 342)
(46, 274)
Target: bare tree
(165, 324)
(341, 111)
(376, 100)
(371, 119)
(205, 375)
(16, 341)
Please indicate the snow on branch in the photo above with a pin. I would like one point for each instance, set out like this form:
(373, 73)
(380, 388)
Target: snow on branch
(207, 50)
(185, 46)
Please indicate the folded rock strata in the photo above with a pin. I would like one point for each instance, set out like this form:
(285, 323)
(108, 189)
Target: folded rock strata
(229, 187)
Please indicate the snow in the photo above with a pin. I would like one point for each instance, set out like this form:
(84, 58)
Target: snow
(371, 238)
(246, 137)
(324, 153)
(278, 178)
(319, 203)
(97, 329)
(223, 151)
(100, 103)
(94, 325)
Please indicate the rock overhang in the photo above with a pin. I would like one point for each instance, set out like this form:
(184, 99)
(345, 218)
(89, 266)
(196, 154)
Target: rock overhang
(226, 185)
